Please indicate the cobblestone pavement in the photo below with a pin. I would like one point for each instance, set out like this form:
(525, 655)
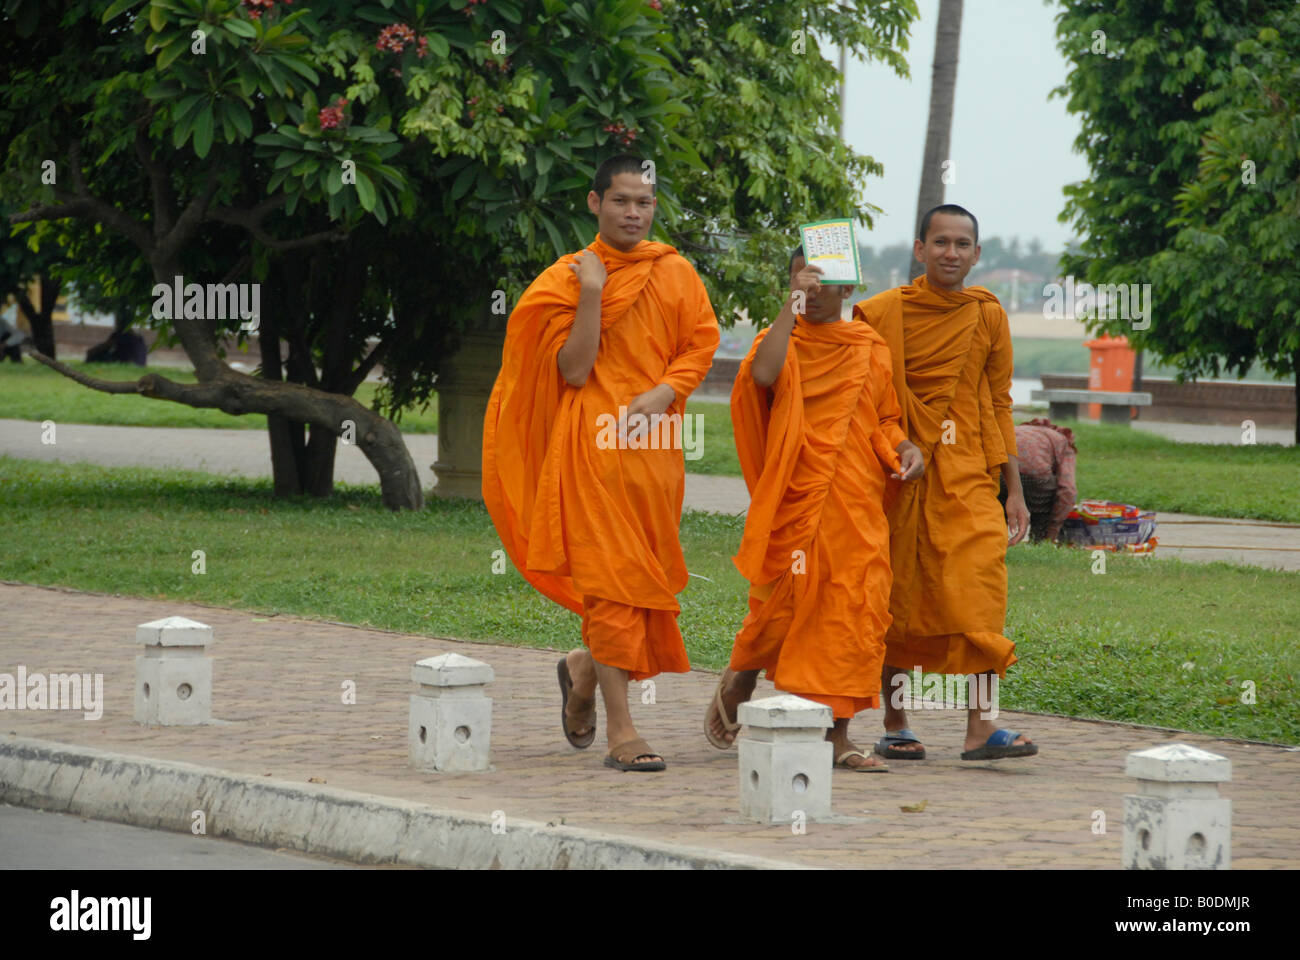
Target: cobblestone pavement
(278, 683)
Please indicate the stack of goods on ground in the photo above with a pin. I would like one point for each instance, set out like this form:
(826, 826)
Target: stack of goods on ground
(1105, 525)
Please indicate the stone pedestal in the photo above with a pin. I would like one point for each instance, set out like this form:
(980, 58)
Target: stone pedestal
(464, 385)
(785, 759)
(1177, 820)
(173, 678)
(450, 727)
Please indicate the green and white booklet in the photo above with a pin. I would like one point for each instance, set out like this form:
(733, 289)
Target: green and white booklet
(830, 244)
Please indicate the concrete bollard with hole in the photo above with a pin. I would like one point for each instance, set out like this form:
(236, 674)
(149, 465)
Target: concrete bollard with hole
(1177, 820)
(173, 677)
(451, 718)
(785, 759)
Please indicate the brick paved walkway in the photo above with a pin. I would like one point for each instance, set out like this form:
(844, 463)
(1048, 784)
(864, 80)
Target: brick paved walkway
(278, 682)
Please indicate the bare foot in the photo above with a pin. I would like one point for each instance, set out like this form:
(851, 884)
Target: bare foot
(838, 736)
(979, 731)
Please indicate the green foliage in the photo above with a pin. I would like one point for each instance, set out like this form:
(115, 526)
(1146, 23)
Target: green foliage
(763, 85)
(1184, 93)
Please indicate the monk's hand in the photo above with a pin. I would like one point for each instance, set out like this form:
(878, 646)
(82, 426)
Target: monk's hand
(807, 281)
(910, 459)
(589, 270)
(649, 404)
(1017, 518)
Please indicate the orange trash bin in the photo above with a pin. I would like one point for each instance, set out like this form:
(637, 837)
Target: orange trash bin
(1111, 368)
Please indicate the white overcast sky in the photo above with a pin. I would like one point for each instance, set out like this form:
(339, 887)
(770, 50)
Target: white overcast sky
(1012, 146)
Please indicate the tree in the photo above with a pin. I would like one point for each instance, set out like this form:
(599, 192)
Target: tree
(936, 163)
(384, 171)
(20, 266)
(765, 123)
(220, 104)
(1168, 202)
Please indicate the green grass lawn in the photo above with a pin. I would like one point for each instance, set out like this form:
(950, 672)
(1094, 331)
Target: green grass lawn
(32, 391)
(1151, 641)
(1116, 463)
(1260, 482)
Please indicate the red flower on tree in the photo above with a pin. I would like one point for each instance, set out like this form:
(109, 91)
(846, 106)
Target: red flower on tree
(255, 8)
(331, 116)
(622, 133)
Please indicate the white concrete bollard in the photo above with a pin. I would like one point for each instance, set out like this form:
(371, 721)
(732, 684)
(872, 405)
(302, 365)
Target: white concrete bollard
(173, 678)
(785, 759)
(1177, 820)
(451, 719)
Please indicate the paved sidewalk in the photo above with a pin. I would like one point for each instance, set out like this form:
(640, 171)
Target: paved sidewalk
(246, 453)
(278, 681)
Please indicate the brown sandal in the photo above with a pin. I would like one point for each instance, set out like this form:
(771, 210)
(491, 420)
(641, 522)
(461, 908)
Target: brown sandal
(627, 757)
(728, 725)
(566, 687)
(862, 767)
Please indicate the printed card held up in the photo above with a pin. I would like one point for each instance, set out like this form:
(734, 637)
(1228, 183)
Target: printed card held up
(830, 244)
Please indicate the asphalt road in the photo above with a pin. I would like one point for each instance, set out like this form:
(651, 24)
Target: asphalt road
(40, 840)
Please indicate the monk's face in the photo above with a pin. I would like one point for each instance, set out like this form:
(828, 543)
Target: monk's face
(625, 213)
(948, 251)
(826, 307)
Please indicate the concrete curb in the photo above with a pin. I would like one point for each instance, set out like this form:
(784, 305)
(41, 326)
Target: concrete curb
(359, 827)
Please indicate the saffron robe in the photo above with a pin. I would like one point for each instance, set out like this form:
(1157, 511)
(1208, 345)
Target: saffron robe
(816, 449)
(948, 535)
(593, 524)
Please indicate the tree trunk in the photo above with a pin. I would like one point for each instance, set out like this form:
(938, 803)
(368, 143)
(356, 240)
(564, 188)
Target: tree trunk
(1295, 368)
(938, 133)
(319, 476)
(41, 318)
(236, 393)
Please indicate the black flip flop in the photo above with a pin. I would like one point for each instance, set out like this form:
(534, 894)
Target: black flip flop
(566, 685)
(887, 746)
(1001, 745)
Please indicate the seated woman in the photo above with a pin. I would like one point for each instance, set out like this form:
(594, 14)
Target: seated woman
(1047, 476)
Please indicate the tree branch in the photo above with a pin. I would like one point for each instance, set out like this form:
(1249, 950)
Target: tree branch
(251, 220)
(164, 201)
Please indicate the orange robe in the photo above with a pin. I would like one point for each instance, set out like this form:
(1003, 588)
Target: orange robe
(816, 449)
(952, 370)
(590, 524)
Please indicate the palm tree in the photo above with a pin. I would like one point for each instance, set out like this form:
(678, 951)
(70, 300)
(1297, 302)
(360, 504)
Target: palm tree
(943, 86)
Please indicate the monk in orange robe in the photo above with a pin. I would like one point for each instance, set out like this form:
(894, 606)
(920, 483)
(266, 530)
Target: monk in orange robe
(817, 431)
(583, 468)
(951, 350)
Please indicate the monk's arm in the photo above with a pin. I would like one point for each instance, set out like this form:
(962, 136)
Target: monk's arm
(769, 358)
(578, 355)
(890, 412)
(694, 355)
(999, 368)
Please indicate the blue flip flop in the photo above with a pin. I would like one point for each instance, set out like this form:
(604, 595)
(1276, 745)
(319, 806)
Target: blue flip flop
(1001, 745)
(887, 746)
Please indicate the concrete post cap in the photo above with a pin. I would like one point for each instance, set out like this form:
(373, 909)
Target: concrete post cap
(451, 670)
(784, 711)
(1178, 762)
(174, 632)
